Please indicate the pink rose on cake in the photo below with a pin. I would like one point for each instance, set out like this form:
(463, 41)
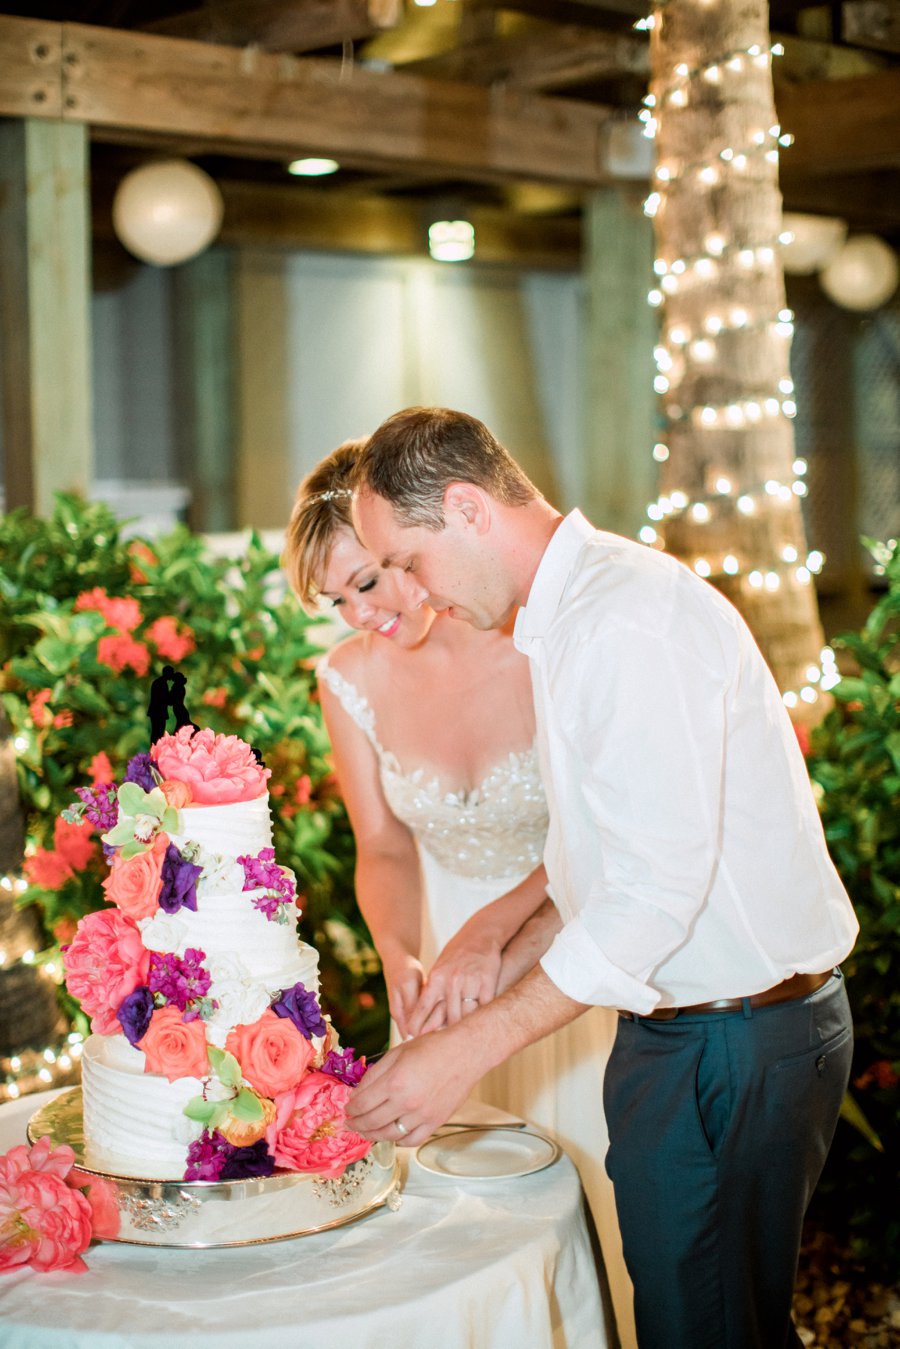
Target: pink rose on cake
(134, 883)
(219, 769)
(310, 1132)
(104, 963)
(272, 1053)
(173, 1047)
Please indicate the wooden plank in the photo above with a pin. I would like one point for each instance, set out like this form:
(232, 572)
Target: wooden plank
(30, 68)
(46, 337)
(304, 25)
(252, 103)
(846, 125)
(554, 57)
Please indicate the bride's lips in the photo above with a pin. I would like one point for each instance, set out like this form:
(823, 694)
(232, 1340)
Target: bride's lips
(390, 627)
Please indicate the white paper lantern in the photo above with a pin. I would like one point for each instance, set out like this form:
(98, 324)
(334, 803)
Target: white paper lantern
(167, 211)
(809, 242)
(863, 275)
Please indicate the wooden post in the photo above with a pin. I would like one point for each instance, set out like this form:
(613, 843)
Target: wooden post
(262, 470)
(45, 325)
(206, 415)
(619, 472)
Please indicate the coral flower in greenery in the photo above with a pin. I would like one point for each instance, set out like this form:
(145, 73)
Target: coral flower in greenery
(142, 815)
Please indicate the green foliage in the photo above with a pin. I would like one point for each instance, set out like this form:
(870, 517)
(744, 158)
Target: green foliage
(68, 696)
(855, 766)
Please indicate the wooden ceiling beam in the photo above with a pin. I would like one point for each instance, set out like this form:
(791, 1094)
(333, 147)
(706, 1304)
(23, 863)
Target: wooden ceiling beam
(31, 68)
(554, 57)
(250, 103)
(841, 126)
(601, 13)
(866, 201)
(302, 26)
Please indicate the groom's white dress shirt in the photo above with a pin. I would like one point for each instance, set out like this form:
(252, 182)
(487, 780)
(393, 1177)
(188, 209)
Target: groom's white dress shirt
(685, 851)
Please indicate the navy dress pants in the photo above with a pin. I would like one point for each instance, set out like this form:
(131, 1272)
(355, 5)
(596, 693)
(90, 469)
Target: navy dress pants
(719, 1125)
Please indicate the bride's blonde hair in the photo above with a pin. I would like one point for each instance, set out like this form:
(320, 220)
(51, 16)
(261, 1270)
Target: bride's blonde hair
(321, 511)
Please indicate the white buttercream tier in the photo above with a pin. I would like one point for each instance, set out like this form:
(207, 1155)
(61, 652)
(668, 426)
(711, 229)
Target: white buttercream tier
(134, 1122)
(232, 830)
(226, 922)
(228, 925)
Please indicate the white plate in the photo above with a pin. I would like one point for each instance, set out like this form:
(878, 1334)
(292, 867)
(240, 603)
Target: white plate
(487, 1154)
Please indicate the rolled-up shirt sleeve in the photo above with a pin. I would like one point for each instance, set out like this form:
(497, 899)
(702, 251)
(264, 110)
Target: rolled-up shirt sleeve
(637, 748)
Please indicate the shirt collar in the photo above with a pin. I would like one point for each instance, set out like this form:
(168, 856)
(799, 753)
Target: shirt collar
(550, 580)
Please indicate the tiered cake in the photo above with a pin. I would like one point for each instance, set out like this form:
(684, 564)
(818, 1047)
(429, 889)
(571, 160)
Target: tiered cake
(210, 1058)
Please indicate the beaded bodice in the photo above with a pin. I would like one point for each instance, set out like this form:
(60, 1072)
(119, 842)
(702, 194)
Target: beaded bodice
(495, 830)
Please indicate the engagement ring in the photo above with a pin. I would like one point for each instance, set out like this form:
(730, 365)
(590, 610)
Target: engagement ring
(401, 1127)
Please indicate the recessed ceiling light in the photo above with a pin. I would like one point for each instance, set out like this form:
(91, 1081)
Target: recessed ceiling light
(312, 168)
(451, 240)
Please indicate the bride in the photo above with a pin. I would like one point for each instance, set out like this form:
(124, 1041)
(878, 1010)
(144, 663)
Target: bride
(432, 729)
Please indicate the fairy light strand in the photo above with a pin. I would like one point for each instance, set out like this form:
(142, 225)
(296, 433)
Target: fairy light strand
(694, 347)
(56, 1063)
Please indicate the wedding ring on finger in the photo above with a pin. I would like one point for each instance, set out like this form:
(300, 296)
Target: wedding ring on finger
(401, 1128)
(470, 1000)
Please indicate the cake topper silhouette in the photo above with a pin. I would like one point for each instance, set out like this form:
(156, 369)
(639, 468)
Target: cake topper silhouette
(168, 692)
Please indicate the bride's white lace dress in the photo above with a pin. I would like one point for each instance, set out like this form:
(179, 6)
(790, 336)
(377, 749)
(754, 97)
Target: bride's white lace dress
(473, 847)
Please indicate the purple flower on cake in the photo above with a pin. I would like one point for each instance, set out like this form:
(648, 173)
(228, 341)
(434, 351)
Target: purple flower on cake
(242, 1163)
(179, 882)
(212, 1157)
(180, 981)
(263, 872)
(301, 1006)
(342, 1064)
(272, 907)
(99, 804)
(206, 1157)
(134, 1014)
(141, 769)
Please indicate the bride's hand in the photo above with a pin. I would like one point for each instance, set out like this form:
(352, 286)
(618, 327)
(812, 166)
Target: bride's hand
(463, 977)
(404, 977)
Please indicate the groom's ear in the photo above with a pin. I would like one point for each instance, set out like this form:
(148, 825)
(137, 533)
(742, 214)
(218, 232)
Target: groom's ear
(468, 504)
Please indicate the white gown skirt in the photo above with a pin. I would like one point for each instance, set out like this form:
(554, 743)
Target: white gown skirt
(556, 1083)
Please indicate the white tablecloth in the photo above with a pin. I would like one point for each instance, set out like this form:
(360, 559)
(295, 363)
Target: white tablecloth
(499, 1264)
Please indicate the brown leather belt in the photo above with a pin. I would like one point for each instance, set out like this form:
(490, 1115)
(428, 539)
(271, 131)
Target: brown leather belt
(798, 986)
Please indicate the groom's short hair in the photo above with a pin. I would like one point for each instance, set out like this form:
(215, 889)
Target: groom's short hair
(413, 457)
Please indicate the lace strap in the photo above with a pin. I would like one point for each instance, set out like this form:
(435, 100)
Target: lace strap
(352, 701)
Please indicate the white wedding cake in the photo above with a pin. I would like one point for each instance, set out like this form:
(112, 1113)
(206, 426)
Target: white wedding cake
(210, 1057)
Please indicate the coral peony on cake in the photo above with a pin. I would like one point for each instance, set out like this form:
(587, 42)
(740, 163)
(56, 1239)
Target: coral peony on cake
(210, 1056)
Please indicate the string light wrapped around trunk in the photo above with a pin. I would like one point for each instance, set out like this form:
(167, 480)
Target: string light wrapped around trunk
(730, 480)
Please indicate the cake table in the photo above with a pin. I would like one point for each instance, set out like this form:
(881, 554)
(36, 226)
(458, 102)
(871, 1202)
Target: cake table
(462, 1264)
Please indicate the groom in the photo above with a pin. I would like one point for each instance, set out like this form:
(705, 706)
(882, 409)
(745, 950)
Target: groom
(688, 867)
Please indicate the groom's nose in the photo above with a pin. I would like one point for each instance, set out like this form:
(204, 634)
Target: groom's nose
(413, 592)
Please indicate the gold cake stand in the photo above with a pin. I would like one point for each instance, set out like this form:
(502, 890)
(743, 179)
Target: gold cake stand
(207, 1213)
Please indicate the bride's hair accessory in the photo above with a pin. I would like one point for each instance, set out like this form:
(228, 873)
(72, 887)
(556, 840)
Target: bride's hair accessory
(333, 494)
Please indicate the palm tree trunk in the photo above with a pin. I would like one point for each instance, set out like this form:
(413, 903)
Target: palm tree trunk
(730, 485)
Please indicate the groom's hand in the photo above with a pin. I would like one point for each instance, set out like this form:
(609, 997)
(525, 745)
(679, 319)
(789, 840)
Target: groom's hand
(419, 1084)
